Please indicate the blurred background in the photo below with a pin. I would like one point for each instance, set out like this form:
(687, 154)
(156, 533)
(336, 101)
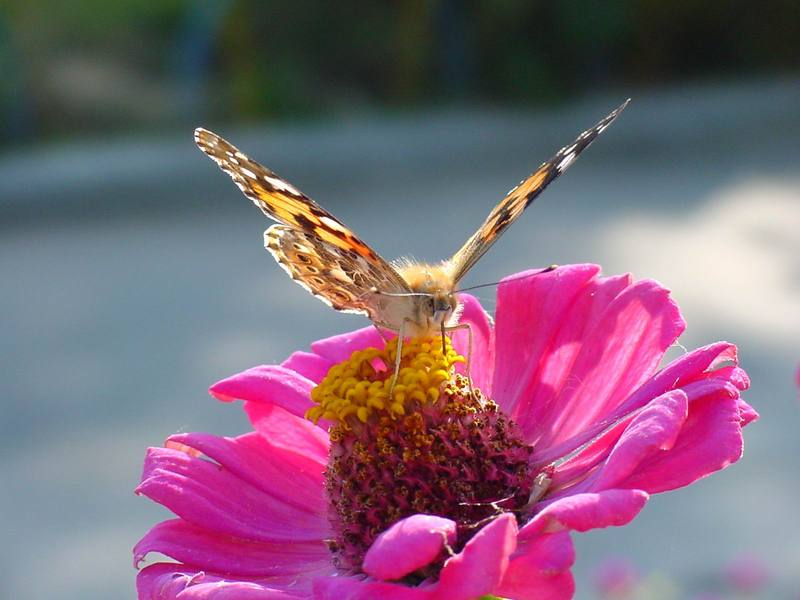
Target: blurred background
(135, 275)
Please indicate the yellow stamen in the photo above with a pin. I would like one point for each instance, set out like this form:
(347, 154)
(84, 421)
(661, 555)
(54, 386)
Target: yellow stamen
(358, 388)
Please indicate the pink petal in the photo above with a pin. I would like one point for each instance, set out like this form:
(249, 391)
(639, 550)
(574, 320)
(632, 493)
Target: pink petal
(292, 434)
(267, 384)
(482, 358)
(210, 496)
(209, 551)
(311, 366)
(748, 574)
(349, 588)
(169, 581)
(595, 342)
(747, 413)
(703, 363)
(529, 312)
(539, 569)
(578, 466)
(582, 512)
(676, 439)
(652, 431)
(408, 545)
(340, 347)
(480, 566)
(710, 440)
(618, 354)
(287, 473)
(615, 577)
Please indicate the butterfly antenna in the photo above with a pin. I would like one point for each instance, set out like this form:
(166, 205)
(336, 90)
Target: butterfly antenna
(394, 294)
(528, 276)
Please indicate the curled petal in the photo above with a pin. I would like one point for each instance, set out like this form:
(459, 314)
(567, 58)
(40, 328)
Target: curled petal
(478, 569)
(408, 545)
(710, 440)
(582, 512)
(679, 437)
(651, 432)
(702, 364)
(540, 569)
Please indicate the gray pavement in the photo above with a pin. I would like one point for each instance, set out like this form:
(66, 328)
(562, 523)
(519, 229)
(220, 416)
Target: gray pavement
(134, 277)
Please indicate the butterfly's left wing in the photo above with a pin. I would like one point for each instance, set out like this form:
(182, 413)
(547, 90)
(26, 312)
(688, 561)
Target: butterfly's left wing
(316, 249)
(519, 198)
(340, 278)
(277, 198)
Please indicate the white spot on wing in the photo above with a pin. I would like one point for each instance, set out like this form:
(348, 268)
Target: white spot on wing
(340, 275)
(565, 162)
(280, 184)
(332, 223)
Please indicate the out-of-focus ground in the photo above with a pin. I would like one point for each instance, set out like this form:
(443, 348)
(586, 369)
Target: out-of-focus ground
(134, 277)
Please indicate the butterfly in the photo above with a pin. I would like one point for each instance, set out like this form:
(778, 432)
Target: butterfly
(325, 257)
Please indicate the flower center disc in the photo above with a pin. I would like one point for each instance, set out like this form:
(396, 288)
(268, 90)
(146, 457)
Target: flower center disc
(437, 446)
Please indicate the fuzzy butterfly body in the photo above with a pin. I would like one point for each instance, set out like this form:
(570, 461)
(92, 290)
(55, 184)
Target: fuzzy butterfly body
(330, 261)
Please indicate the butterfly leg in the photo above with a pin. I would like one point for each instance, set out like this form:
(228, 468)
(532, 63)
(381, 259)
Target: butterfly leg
(397, 358)
(381, 333)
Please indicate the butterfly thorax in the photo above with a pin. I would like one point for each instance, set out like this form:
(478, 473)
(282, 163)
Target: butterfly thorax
(432, 302)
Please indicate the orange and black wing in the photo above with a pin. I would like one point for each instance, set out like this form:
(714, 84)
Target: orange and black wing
(312, 245)
(519, 198)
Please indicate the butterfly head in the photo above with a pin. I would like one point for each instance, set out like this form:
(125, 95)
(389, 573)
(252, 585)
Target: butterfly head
(440, 307)
(433, 296)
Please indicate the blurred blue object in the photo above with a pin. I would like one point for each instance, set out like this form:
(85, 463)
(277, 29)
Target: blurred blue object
(16, 115)
(196, 40)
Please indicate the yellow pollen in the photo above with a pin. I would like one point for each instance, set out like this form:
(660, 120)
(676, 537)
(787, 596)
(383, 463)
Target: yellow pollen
(358, 388)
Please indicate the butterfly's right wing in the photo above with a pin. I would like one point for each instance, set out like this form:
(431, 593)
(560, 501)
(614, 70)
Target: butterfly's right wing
(519, 198)
(340, 278)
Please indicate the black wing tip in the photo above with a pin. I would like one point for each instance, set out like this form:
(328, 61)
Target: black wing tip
(608, 120)
(205, 138)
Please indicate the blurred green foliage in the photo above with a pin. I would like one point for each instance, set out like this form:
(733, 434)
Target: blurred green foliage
(92, 65)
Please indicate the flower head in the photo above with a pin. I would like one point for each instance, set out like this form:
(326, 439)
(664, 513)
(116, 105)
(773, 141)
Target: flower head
(436, 447)
(448, 487)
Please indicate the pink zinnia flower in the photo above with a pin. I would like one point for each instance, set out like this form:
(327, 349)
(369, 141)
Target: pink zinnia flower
(615, 577)
(747, 573)
(588, 423)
